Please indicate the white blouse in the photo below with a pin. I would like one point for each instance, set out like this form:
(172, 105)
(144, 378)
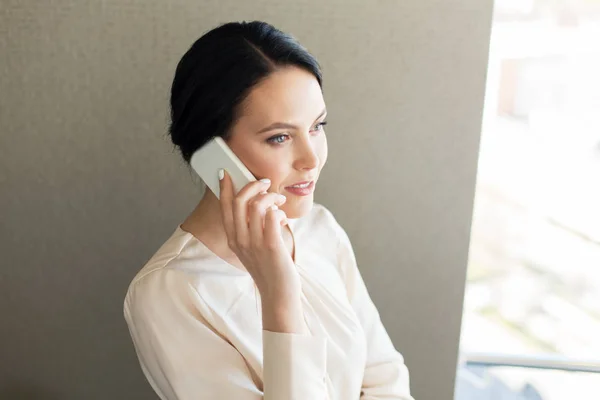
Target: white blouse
(196, 325)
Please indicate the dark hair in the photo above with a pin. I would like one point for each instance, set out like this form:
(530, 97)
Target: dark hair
(217, 73)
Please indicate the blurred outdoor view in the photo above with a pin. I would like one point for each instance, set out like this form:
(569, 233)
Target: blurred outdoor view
(533, 283)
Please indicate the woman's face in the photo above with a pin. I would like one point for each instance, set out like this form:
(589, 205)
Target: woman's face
(279, 135)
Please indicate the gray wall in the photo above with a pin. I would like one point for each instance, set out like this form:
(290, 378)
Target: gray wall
(90, 187)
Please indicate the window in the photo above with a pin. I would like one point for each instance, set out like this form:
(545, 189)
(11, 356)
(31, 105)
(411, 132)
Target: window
(531, 323)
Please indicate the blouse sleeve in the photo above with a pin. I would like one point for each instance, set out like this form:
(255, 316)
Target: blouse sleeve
(185, 358)
(386, 376)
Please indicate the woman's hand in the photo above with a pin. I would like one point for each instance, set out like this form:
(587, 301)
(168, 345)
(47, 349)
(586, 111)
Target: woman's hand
(253, 223)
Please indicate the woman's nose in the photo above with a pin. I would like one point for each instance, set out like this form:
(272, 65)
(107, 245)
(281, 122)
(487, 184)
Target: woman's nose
(307, 157)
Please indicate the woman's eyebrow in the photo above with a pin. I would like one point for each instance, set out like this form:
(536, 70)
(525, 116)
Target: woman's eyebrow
(283, 125)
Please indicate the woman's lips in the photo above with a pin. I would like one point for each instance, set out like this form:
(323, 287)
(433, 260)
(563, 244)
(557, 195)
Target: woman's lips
(302, 191)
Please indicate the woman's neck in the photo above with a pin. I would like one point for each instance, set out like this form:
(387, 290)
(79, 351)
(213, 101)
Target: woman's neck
(206, 224)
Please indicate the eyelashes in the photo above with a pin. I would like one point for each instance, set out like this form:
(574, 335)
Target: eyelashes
(322, 124)
(275, 139)
(280, 139)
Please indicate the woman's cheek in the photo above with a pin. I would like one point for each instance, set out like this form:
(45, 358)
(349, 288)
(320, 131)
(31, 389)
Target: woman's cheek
(272, 170)
(323, 153)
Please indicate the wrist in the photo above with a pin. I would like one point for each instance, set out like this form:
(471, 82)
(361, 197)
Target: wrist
(281, 291)
(283, 314)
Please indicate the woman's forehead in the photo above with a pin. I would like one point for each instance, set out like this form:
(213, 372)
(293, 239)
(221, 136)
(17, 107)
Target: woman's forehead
(290, 95)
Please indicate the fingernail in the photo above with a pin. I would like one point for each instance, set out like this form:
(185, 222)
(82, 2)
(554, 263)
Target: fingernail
(221, 174)
(266, 180)
(274, 207)
(282, 198)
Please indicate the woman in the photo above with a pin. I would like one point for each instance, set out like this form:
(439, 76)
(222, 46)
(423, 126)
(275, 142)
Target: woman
(257, 294)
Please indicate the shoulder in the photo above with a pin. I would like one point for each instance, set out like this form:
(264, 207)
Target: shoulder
(182, 273)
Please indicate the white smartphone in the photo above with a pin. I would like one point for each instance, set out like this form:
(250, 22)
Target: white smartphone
(214, 155)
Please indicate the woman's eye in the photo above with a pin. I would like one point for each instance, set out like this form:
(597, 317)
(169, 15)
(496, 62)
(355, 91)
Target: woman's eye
(279, 139)
(319, 126)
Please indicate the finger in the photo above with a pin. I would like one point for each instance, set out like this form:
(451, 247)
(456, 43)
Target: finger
(272, 232)
(256, 212)
(240, 209)
(225, 199)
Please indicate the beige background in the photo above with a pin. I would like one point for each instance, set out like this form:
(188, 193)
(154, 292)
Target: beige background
(90, 187)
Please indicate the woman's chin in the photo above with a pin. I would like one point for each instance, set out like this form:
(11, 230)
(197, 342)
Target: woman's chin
(298, 209)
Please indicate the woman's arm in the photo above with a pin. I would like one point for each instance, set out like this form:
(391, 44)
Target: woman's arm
(185, 358)
(294, 361)
(386, 375)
